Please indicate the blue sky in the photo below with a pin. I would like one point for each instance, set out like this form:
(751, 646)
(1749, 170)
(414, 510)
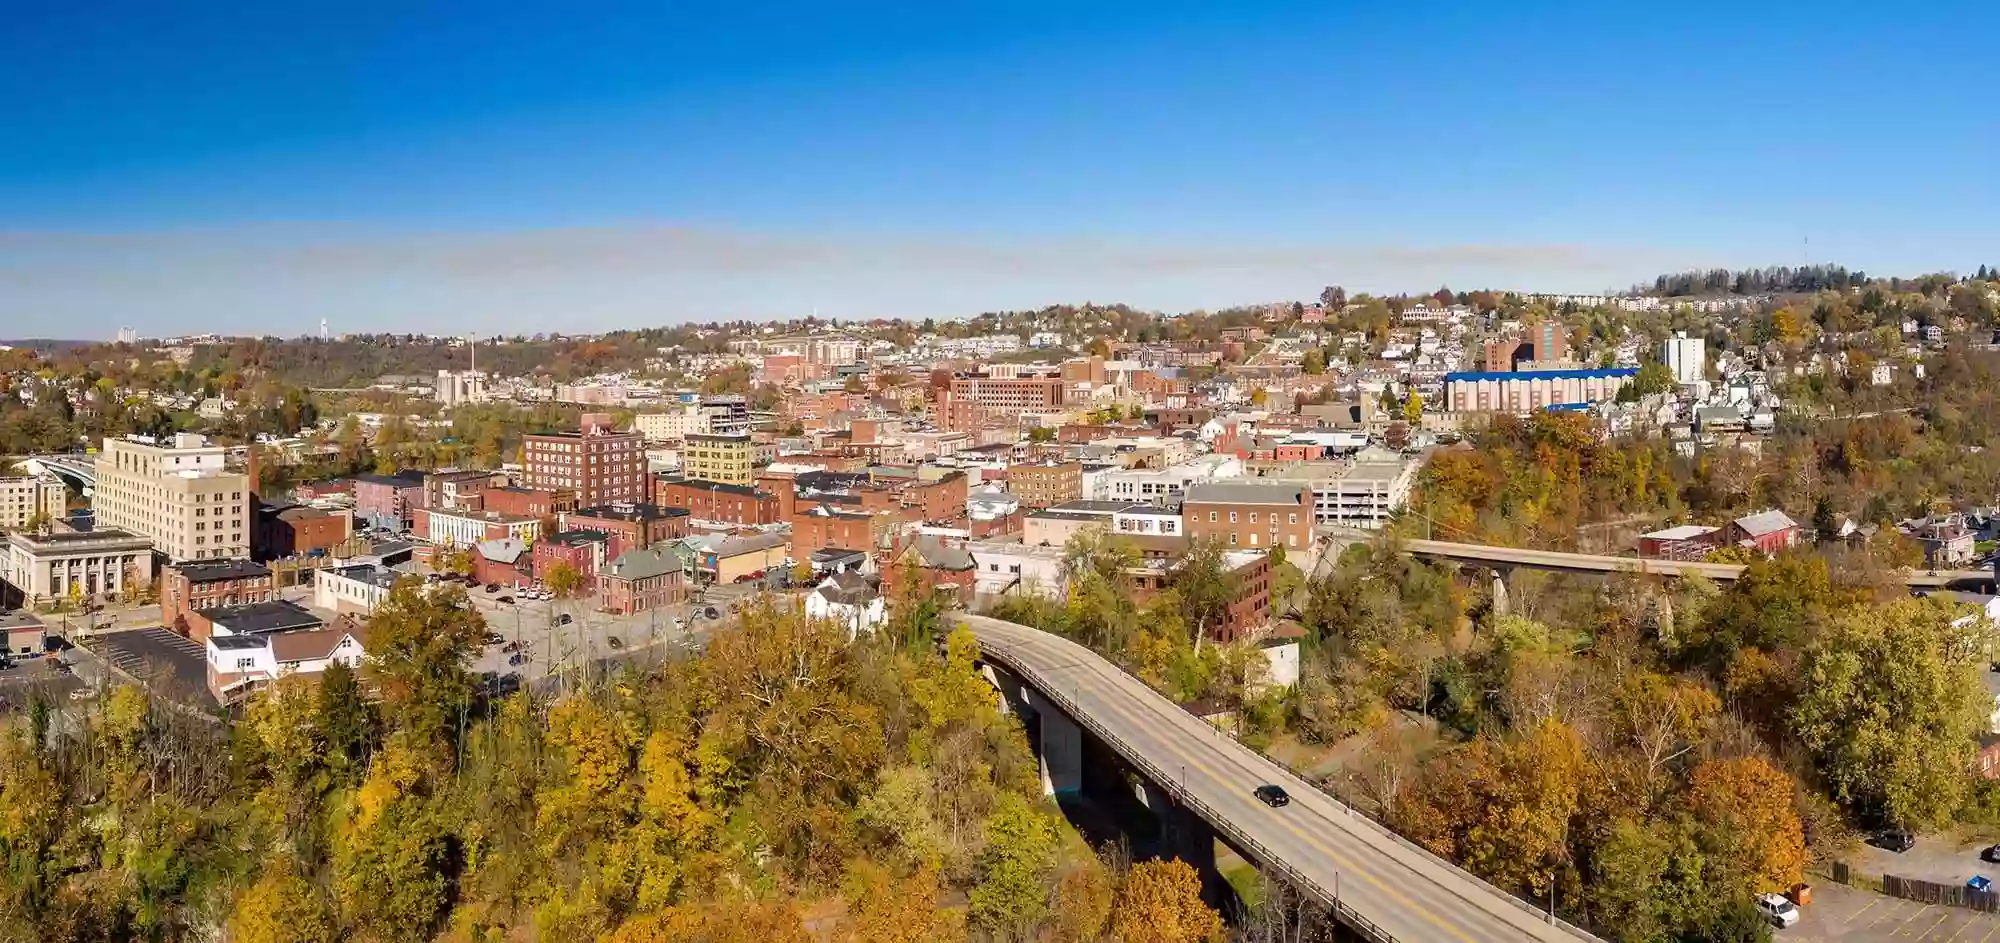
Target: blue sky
(521, 167)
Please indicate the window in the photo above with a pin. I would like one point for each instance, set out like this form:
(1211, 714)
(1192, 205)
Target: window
(1253, 517)
(1294, 520)
(245, 664)
(1232, 517)
(1232, 539)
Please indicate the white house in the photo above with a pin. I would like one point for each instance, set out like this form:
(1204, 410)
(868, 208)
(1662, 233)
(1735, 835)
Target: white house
(1004, 567)
(354, 589)
(240, 664)
(850, 600)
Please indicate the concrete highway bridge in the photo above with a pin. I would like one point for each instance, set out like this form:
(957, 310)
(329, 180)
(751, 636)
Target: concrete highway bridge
(1506, 558)
(79, 471)
(1091, 722)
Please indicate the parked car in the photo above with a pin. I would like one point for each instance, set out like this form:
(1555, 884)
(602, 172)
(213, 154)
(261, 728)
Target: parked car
(1776, 908)
(506, 600)
(82, 694)
(1979, 882)
(511, 647)
(612, 640)
(565, 619)
(711, 613)
(1274, 796)
(495, 638)
(1990, 853)
(518, 658)
(492, 588)
(1898, 840)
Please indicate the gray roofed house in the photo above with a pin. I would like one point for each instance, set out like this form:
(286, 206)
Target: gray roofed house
(933, 553)
(503, 550)
(734, 546)
(644, 563)
(1765, 522)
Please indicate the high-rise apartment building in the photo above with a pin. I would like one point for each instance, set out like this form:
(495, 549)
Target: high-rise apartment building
(181, 495)
(24, 497)
(1686, 357)
(727, 459)
(597, 463)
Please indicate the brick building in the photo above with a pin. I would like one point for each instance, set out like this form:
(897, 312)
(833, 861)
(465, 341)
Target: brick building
(293, 530)
(1041, 486)
(977, 400)
(640, 580)
(599, 464)
(388, 501)
(1249, 514)
(528, 502)
(639, 525)
(822, 526)
(586, 551)
(207, 584)
(712, 501)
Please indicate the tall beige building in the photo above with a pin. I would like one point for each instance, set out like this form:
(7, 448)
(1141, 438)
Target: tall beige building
(729, 459)
(24, 497)
(182, 496)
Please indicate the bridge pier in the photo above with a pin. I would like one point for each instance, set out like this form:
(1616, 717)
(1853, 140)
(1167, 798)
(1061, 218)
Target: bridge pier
(1060, 748)
(1501, 604)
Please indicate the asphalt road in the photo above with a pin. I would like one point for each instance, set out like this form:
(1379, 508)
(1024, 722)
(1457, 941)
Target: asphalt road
(1407, 893)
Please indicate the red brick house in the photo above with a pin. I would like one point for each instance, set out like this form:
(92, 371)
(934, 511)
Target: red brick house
(943, 566)
(639, 525)
(1249, 515)
(210, 584)
(640, 580)
(584, 550)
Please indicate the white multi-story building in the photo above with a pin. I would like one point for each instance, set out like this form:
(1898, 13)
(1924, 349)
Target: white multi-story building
(182, 496)
(1147, 520)
(674, 424)
(1362, 493)
(25, 496)
(354, 589)
(464, 528)
(1005, 568)
(1686, 357)
(1156, 486)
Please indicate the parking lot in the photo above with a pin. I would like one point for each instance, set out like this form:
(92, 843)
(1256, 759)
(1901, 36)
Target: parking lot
(30, 677)
(548, 645)
(170, 664)
(1844, 914)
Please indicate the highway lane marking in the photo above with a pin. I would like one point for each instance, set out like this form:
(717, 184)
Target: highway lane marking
(1174, 747)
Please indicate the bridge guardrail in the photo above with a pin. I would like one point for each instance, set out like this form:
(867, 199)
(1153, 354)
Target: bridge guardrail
(1186, 797)
(1245, 842)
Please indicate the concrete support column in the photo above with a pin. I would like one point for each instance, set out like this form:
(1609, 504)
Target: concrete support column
(1186, 837)
(1061, 749)
(1500, 602)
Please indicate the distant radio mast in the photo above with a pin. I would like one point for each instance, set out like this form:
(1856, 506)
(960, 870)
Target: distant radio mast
(322, 329)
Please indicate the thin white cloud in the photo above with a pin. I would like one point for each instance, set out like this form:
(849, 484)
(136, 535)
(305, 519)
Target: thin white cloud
(627, 275)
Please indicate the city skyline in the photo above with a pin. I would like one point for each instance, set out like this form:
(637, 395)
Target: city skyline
(529, 172)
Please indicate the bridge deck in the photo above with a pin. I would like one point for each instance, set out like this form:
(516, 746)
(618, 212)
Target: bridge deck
(1385, 887)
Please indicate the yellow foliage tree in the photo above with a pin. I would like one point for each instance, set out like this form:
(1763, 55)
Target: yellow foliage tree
(1746, 804)
(1161, 903)
(280, 907)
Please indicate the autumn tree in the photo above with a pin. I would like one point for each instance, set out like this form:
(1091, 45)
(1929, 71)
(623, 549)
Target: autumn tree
(281, 907)
(1744, 807)
(419, 640)
(1889, 703)
(1160, 902)
(1012, 892)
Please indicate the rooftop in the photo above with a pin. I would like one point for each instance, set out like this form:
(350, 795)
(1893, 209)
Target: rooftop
(575, 538)
(204, 571)
(368, 573)
(1244, 492)
(643, 563)
(629, 512)
(259, 618)
(401, 479)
